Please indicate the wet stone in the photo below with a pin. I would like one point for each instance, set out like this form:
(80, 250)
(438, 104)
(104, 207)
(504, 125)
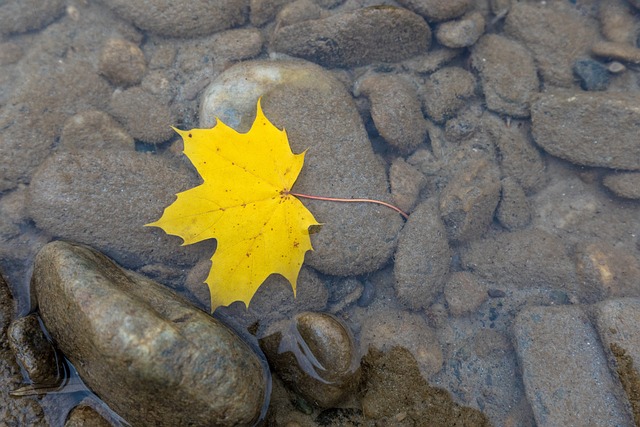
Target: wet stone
(131, 108)
(564, 366)
(618, 51)
(170, 18)
(519, 158)
(617, 21)
(395, 110)
(446, 91)
(138, 345)
(438, 10)
(74, 196)
(508, 74)
(592, 74)
(299, 11)
(513, 211)
(557, 34)
(406, 184)
(468, 202)
(464, 293)
(24, 411)
(624, 184)
(372, 34)
(314, 354)
(298, 96)
(35, 352)
(616, 321)
(589, 128)
(380, 328)
(85, 416)
(605, 271)
(463, 32)
(19, 16)
(122, 62)
(521, 259)
(422, 258)
(94, 129)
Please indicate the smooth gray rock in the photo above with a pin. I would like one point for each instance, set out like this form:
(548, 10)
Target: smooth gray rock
(319, 116)
(589, 128)
(371, 34)
(147, 353)
(565, 371)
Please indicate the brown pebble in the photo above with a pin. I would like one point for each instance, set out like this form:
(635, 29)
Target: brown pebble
(122, 62)
(618, 51)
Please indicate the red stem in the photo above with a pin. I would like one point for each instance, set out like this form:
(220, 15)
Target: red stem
(339, 199)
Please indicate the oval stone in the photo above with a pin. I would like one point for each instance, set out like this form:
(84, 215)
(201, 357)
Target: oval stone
(148, 354)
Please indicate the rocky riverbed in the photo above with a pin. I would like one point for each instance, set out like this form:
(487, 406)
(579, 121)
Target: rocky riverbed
(507, 130)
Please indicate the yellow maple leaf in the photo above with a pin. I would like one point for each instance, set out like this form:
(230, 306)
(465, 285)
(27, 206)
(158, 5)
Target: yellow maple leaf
(245, 204)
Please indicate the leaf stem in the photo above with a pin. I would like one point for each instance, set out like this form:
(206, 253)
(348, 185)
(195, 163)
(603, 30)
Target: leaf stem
(340, 199)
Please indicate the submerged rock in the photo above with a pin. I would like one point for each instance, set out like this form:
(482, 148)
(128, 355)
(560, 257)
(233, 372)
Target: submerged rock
(319, 116)
(149, 355)
(589, 128)
(314, 353)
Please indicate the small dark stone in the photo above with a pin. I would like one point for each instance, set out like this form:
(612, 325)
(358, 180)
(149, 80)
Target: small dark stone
(496, 293)
(34, 351)
(592, 74)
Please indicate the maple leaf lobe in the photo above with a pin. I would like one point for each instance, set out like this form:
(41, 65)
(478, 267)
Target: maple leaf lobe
(244, 203)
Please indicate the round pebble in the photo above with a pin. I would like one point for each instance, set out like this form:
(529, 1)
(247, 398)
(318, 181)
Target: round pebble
(144, 115)
(122, 62)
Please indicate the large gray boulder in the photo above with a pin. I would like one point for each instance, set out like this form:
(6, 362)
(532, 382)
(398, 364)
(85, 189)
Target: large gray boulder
(148, 354)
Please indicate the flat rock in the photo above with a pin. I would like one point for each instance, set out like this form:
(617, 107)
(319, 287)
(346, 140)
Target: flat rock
(438, 10)
(19, 16)
(624, 184)
(507, 73)
(173, 19)
(620, 51)
(522, 259)
(565, 371)
(423, 257)
(556, 33)
(104, 198)
(371, 34)
(319, 116)
(151, 356)
(589, 128)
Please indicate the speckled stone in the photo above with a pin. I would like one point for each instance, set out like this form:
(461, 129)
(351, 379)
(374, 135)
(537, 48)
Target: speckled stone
(564, 369)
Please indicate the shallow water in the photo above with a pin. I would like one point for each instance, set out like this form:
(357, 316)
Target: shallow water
(475, 357)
